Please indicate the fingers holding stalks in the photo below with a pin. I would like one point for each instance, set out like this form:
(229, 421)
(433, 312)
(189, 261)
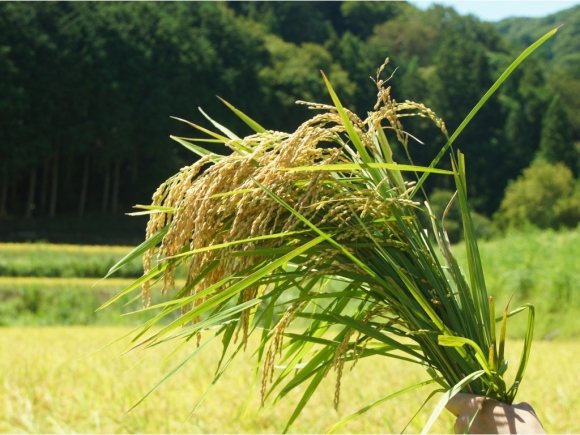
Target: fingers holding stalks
(492, 417)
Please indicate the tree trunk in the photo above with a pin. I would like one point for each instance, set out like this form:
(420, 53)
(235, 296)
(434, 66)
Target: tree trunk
(104, 208)
(31, 190)
(44, 185)
(69, 167)
(135, 167)
(4, 198)
(116, 182)
(13, 197)
(84, 185)
(54, 186)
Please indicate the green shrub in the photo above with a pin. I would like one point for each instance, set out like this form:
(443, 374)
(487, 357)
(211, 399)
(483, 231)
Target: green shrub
(543, 196)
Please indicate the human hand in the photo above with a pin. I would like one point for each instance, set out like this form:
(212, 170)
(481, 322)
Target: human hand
(494, 416)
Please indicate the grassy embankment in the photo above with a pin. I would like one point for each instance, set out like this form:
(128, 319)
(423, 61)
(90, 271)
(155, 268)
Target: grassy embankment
(47, 284)
(52, 284)
(45, 389)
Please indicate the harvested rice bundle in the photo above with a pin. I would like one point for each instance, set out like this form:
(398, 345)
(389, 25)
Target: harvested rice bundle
(266, 233)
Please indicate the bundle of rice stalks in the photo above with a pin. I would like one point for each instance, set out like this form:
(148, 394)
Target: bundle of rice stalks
(266, 233)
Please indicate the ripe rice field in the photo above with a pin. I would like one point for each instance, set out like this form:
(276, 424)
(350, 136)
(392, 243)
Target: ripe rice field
(45, 387)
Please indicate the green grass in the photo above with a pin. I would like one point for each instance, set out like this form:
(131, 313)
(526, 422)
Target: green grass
(45, 388)
(540, 267)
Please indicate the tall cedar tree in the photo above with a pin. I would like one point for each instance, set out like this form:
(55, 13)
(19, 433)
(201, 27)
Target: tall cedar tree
(557, 144)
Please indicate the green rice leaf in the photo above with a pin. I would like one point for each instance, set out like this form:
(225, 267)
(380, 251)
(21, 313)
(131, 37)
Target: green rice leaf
(452, 341)
(236, 144)
(217, 376)
(447, 396)
(478, 288)
(373, 333)
(151, 242)
(235, 288)
(305, 398)
(388, 155)
(525, 352)
(200, 151)
(238, 242)
(352, 134)
(136, 284)
(378, 402)
(218, 319)
(220, 127)
(171, 373)
(249, 121)
(360, 166)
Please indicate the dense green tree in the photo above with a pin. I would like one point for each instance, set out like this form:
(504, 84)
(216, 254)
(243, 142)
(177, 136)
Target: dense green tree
(294, 74)
(569, 91)
(294, 21)
(409, 36)
(111, 75)
(360, 17)
(518, 137)
(27, 41)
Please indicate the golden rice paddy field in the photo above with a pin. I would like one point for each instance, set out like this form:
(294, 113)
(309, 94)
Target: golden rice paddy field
(47, 386)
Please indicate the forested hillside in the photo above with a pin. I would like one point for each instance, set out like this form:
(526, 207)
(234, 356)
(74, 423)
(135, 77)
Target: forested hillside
(563, 55)
(88, 88)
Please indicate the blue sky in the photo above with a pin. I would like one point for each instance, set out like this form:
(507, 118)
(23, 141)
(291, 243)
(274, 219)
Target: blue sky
(493, 10)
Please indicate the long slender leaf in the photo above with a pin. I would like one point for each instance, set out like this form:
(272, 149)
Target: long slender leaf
(305, 398)
(171, 373)
(200, 151)
(249, 121)
(447, 396)
(357, 166)
(525, 352)
(220, 127)
(136, 284)
(235, 143)
(352, 134)
(137, 252)
(451, 341)
(378, 402)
